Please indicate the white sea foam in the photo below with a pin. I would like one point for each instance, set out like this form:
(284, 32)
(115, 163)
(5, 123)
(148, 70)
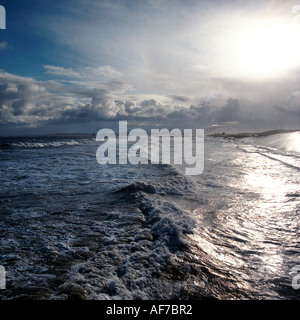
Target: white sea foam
(73, 230)
(28, 144)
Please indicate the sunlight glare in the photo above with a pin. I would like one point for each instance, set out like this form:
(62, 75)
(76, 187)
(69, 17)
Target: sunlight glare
(264, 49)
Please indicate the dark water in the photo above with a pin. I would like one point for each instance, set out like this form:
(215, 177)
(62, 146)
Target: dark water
(71, 228)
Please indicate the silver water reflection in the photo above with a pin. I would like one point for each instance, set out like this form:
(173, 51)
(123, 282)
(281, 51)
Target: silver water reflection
(248, 230)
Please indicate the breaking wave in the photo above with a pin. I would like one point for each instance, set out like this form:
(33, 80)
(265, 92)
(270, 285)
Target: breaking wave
(72, 229)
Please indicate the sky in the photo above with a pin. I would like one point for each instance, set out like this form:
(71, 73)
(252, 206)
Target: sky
(73, 66)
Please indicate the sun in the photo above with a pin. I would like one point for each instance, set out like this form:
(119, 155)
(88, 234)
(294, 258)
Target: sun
(266, 48)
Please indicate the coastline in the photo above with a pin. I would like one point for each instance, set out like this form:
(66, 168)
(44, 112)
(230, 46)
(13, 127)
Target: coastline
(252, 134)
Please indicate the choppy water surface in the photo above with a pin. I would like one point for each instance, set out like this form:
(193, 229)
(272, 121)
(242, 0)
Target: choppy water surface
(71, 228)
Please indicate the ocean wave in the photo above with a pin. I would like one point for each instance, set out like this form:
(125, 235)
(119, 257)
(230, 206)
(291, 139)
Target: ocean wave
(42, 144)
(149, 188)
(176, 183)
(137, 247)
(141, 232)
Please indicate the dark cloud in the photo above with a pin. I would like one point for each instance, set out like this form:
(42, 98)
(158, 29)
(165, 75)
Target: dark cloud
(180, 98)
(148, 103)
(27, 102)
(230, 112)
(288, 111)
(203, 112)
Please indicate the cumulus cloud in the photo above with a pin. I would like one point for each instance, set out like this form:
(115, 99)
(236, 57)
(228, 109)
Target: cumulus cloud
(78, 96)
(22, 99)
(82, 96)
(26, 100)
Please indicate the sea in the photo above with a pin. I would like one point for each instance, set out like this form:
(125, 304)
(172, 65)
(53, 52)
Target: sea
(71, 228)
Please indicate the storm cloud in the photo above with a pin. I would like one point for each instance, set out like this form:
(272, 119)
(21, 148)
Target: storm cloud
(80, 97)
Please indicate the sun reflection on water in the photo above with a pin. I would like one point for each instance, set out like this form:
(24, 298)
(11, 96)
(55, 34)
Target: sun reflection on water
(248, 230)
(294, 142)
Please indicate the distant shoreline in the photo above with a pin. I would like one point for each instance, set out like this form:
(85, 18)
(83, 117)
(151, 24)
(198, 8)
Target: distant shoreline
(93, 135)
(251, 134)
